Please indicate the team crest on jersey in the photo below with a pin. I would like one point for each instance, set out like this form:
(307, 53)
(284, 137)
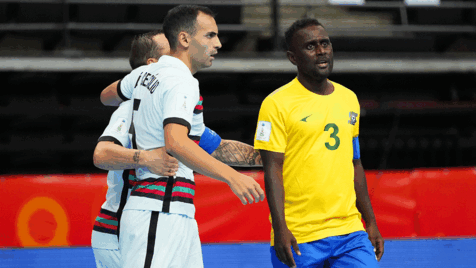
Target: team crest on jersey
(353, 118)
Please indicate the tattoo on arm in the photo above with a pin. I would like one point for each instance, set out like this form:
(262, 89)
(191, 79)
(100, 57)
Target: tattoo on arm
(136, 156)
(235, 153)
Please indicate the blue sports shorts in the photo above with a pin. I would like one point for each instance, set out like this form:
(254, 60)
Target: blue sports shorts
(351, 250)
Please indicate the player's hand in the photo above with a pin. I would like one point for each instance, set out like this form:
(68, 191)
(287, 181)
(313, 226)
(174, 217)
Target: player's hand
(247, 189)
(283, 241)
(159, 162)
(376, 238)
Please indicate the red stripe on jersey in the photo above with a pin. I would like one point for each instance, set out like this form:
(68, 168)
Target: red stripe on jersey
(181, 194)
(105, 225)
(158, 183)
(107, 217)
(199, 107)
(134, 183)
(149, 191)
(184, 184)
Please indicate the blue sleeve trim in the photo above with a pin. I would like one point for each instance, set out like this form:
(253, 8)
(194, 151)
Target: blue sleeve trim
(356, 145)
(209, 140)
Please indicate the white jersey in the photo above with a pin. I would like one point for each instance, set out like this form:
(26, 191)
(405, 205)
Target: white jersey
(163, 92)
(105, 233)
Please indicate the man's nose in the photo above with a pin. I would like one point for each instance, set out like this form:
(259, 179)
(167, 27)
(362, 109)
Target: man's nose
(320, 50)
(218, 44)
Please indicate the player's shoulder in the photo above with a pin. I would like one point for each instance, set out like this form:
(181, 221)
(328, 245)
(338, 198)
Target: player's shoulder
(173, 71)
(282, 92)
(345, 90)
(124, 110)
(124, 106)
(139, 70)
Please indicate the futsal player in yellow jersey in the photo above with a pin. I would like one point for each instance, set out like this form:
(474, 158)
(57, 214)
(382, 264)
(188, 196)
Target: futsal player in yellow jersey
(307, 135)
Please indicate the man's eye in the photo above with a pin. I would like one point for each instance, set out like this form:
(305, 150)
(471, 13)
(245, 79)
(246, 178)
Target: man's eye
(310, 47)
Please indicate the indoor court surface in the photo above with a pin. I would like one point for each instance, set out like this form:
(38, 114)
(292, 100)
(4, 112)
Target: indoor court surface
(434, 253)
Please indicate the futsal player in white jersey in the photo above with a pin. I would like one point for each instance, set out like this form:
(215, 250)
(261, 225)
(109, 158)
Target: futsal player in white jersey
(158, 228)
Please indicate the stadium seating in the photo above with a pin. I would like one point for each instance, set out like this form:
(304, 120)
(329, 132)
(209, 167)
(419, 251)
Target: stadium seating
(417, 110)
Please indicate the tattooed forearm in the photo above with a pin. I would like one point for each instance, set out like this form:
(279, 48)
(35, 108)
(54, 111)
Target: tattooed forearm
(136, 157)
(235, 153)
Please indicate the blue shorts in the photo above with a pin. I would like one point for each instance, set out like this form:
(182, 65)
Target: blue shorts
(351, 250)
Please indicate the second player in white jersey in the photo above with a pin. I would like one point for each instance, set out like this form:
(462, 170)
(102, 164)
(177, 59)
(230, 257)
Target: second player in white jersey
(104, 239)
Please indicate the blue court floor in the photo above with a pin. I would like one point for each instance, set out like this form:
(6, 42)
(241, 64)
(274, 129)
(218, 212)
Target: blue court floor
(434, 253)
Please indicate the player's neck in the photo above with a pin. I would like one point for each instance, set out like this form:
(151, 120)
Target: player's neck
(320, 87)
(185, 58)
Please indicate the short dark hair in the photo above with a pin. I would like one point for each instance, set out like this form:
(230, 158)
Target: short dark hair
(182, 18)
(144, 47)
(296, 26)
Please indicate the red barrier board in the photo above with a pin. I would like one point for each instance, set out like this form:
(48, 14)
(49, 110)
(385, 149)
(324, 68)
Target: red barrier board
(59, 210)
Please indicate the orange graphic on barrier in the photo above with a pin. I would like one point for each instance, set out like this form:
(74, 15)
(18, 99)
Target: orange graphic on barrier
(42, 222)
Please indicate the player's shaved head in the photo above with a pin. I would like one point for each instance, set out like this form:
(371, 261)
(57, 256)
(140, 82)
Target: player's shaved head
(295, 27)
(146, 46)
(182, 18)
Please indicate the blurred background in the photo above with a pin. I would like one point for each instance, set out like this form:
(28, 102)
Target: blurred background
(412, 65)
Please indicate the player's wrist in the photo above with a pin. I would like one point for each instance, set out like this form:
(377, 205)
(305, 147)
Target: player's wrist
(371, 224)
(280, 225)
(141, 158)
(228, 175)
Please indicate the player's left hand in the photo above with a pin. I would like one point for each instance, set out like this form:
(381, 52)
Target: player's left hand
(159, 162)
(376, 238)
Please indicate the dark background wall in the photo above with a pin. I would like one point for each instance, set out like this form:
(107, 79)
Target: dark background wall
(52, 119)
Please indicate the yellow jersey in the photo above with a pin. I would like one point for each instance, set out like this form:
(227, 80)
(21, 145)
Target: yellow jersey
(315, 134)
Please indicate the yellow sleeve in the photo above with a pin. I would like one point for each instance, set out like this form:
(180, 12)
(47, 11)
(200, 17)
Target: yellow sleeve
(357, 125)
(270, 131)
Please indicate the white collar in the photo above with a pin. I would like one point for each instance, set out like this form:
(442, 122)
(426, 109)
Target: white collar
(174, 62)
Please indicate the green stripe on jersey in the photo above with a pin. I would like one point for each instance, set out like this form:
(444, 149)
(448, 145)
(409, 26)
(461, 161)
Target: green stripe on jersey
(183, 190)
(110, 222)
(152, 187)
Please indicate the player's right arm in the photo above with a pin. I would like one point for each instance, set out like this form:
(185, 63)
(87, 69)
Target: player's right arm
(179, 145)
(121, 90)
(109, 95)
(273, 181)
(237, 154)
(271, 141)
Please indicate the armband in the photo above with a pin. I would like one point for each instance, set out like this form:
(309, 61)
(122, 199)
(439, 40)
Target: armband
(209, 140)
(356, 146)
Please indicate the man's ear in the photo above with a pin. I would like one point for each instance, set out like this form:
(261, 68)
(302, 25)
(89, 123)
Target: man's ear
(151, 60)
(184, 39)
(291, 57)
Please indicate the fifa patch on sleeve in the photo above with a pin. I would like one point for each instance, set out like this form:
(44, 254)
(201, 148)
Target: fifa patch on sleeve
(182, 103)
(120, 126)
(263, 132)
(356, 145)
